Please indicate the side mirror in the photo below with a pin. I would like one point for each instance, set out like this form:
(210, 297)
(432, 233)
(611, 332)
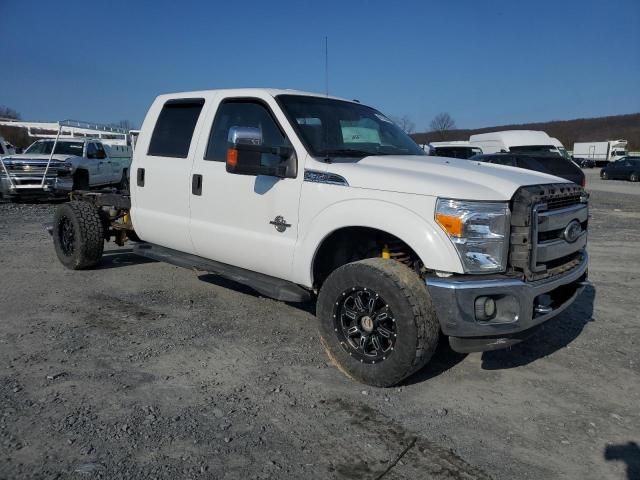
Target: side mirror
(245, 155)
(245, 136)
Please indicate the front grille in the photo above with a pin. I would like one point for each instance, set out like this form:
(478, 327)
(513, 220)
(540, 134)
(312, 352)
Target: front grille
(548, 230)
(563, 201)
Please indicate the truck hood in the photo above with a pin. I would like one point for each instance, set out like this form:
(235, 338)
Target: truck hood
(439, 176)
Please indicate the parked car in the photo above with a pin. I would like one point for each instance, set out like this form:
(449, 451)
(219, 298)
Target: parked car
(75, 165)
(303, 196)
(627, 168)
(552, 164)
(454, 149)
(584, 162)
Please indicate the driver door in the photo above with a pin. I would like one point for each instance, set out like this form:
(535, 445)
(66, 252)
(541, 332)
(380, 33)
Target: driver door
(96, 166)
(244, 220)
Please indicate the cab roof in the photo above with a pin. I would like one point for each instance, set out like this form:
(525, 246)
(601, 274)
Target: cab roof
(248, 92)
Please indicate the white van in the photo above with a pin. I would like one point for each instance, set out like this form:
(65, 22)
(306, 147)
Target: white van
(514, 141)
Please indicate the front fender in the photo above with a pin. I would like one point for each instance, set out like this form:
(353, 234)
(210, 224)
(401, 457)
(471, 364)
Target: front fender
(419, 231)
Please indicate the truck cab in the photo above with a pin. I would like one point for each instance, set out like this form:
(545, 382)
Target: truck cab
(54, 167)
(302, 197)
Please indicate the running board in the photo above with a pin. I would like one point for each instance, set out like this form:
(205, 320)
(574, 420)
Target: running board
(269, 286)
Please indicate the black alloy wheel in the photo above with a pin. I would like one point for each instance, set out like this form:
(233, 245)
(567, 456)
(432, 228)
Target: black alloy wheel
(365, 324)
(66, 235)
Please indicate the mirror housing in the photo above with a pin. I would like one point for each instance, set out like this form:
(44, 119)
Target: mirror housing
(244, 156)
(245, 136)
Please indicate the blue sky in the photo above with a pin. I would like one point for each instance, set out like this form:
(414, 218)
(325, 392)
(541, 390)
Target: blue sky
(485, 62)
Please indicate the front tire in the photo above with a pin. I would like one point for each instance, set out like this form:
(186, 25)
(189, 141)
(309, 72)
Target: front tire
(78, 235)
(377, 321)
(634, 177)
(604, 175)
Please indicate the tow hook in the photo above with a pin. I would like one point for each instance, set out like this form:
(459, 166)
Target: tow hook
(543, 309)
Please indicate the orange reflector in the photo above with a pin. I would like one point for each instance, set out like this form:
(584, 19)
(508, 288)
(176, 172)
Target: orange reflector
(451, 224)
(232, 157)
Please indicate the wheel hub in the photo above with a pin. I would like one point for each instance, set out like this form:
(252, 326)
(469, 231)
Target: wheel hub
(365, 325)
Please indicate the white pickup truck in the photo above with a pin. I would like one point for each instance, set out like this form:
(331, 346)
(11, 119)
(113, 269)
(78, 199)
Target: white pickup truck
(77, 164)
(303, 197)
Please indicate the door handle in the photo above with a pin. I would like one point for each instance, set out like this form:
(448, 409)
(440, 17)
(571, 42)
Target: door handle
(196, 184)
(140, 177)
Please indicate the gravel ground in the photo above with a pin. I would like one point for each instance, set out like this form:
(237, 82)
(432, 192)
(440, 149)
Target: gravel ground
(144, 370)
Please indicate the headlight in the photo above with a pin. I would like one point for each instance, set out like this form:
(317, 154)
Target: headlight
(479, 231)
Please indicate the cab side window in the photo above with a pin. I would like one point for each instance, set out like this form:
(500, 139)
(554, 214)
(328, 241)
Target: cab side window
(91, 150)
(174, 128)
(244, 113)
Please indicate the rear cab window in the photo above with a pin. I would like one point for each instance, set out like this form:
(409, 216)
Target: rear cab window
(174, 128)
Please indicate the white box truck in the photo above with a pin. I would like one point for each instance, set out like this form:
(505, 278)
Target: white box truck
(600, 152)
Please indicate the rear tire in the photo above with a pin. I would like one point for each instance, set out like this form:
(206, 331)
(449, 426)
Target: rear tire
(397, 321)
(634, 177)
(78, 235)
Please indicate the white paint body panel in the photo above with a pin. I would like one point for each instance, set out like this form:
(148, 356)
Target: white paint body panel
(229, 222)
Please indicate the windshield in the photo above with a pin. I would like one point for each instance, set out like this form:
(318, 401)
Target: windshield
(534, 148)
(335, 128)
(564, 153)
(456, 152)
(62, 148)
(619, 153)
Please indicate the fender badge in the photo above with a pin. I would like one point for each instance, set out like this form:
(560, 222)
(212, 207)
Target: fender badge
(280, 223)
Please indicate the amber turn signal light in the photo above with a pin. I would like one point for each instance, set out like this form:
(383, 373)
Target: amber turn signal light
(451, 224)
(232, 157)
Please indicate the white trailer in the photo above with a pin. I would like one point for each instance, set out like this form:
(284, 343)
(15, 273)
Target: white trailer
(600, 152)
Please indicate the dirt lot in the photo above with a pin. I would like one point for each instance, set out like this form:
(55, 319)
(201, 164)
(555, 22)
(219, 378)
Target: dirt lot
(144, 370)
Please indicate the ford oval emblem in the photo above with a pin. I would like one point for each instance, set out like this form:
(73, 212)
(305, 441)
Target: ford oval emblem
(572, 231)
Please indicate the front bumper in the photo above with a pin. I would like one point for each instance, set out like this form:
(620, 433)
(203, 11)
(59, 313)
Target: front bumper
(29, 186)
(520, 307)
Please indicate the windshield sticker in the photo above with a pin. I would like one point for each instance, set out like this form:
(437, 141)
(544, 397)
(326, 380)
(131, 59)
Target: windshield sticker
(360, 135)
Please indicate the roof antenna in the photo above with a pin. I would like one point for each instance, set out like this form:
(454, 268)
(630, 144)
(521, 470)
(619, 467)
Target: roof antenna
(326, 65)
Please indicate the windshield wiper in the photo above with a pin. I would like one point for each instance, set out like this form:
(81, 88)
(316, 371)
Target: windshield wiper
(345, 152)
